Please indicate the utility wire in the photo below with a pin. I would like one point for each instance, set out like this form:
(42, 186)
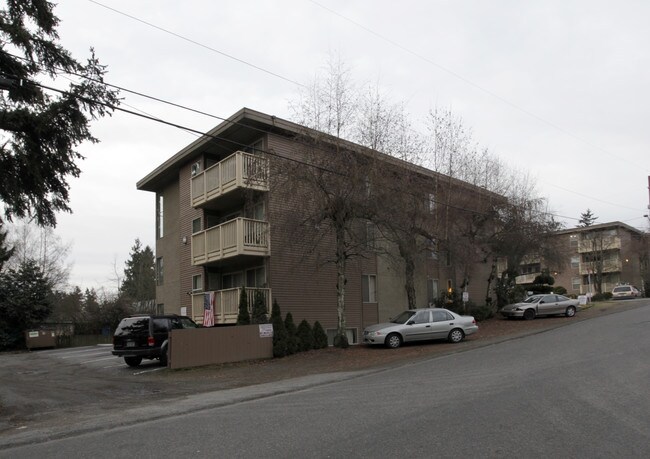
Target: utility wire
(383, 38)
(194, 42)
(472, 84)
(201, 133)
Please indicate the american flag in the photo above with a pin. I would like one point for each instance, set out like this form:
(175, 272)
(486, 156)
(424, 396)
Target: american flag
(208, 310)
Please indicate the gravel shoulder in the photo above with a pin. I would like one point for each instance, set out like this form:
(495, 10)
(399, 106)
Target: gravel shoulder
(38, 394)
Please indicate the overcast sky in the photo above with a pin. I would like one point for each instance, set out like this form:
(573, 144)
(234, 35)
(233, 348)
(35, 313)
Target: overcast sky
(559, 88)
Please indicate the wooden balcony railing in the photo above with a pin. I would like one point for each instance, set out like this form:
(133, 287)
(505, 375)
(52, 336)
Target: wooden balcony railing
(239, 170)
(226, 303)
(241, 236)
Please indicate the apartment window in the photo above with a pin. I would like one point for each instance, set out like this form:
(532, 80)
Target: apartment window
(256, 277)
(350, 333)
(573, 241)
(159, 271)
(575, 261)
(257, 146)
(369, 288)
(197, 283)
(432, 291)
(370, 236)
(257, 211)
(196, 225)
(575, 283)
(432, 249)
(431, 202)
(159, 216)
(232, 280)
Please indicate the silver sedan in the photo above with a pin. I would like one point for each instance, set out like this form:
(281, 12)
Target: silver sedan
(420, 325)
(542, 305)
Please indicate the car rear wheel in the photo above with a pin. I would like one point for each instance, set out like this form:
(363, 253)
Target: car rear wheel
(570, 311)
(393, 341)
(529, 314)
(164, 356)
(133, 361)
(456, 335)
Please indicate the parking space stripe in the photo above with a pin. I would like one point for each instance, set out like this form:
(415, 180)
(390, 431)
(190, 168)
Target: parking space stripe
(97, 360)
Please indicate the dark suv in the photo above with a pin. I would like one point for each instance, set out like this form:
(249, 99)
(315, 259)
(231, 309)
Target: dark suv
(147, 337)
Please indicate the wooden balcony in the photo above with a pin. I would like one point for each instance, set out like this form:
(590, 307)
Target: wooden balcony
(226, 304)
(609, 266)
(241, 236)
(526, 278)
(599, 244)
(239, 171)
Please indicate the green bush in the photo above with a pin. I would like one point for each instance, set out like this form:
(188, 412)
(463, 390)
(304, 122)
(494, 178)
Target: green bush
(292, 339)
(341, 340)
(559, 290)
(305, 336)
(259, 308)
(243, 316)
(601, 296)
(320, 337)
(481, 313)
(280, 336)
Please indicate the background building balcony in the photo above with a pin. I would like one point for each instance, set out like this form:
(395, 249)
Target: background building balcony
(609, 266)
(241, 236)
(226, 304)
(599, 244)
(526, 278)
(239, 171)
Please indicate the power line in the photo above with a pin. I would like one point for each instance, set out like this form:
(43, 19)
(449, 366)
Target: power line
(194, 42)
(471, 83)
(381, 37)
(201, 133)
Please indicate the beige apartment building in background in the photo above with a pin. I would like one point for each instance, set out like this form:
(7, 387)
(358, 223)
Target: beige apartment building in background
(616, 247)
(221, 225)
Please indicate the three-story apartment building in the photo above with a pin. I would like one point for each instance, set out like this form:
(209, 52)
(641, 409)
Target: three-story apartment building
(597, 256)
(225, 221)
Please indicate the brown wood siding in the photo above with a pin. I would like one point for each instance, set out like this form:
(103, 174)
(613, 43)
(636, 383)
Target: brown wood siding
(305, 283)
(167, 293)
(187, 214)
(210, 346)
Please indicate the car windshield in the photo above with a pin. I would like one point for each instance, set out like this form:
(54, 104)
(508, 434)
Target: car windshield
(533, 299)
(403, 317)
(622, 289)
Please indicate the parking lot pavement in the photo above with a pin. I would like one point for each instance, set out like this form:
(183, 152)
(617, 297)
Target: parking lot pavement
(97, 357)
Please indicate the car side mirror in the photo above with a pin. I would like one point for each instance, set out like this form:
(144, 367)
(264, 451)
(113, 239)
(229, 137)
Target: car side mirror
(410, 322)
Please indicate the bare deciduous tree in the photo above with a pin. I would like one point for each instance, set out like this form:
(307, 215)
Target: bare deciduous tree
(45, 248)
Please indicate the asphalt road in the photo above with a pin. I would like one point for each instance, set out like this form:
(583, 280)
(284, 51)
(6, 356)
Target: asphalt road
(582, 390)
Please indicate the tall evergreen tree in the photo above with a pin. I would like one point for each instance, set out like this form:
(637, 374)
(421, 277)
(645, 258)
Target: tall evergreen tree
(586, 219)
(243, 316)
(5, 252)
(259, 315)
(41, 128)
(24, 303)
(292, 339)
(139, 274)
(280, 336)
(305, 336)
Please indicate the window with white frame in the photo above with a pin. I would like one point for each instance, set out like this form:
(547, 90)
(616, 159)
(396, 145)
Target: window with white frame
(159, 271)
(369, 288)
(197, 283)
(432, 291)
(196, 225)
(575, 261)
(159, 216)
(575, 283)
(371, 235)
(573, 241)
(431, 202)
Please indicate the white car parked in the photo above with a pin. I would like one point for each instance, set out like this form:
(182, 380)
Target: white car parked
(420, 325)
